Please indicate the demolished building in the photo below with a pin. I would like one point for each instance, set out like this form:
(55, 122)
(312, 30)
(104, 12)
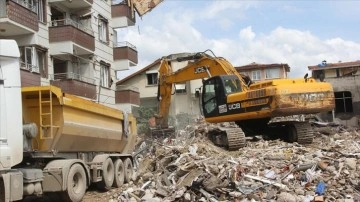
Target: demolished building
(345, 78)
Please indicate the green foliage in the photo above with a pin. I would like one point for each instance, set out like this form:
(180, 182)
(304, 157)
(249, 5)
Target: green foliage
(144, 115)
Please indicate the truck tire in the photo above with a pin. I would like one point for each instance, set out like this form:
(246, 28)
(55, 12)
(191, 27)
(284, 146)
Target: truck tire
(129, 169)
(119, 173)
(76, 184)
(107, 175)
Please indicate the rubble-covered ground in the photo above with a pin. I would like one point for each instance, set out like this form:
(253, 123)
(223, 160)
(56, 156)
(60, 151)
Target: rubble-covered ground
(191, 168)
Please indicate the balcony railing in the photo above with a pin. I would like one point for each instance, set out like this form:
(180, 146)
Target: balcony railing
(27, 5)
(72, 4)
(71, 75)
(124, 44)
(116, 2)
(56, 23)
(127, 87)
(29, 67)
(124, 51)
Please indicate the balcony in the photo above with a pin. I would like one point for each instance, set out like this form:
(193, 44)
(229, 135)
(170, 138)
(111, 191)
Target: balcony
(127, 95)
(74, 84)
(30, 75)
(72, 5)
(69, 37)
(122, 15)
(17, 18)
(125, 55)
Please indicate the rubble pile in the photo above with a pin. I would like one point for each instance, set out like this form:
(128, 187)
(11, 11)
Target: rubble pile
(191, 168)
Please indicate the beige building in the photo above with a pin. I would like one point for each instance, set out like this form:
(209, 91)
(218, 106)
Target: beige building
(72, 44)
(146, 80)
(261, 72)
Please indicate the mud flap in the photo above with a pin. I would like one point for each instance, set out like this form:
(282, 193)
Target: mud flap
(12, 186)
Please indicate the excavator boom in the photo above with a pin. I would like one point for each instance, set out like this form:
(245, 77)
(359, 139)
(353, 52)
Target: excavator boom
(200, 66)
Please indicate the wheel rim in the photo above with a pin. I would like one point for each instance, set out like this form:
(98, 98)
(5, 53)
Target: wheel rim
(108, 174)
(76, 183)
(119, 173)
(128, 170)
(109, 170)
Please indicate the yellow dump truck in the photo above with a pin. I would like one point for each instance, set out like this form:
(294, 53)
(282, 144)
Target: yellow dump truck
(52, 143)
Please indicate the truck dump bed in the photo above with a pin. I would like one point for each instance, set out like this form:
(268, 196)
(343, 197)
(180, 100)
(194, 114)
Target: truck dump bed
(67, 123)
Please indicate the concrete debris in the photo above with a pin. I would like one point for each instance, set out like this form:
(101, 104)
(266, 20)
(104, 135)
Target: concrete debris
(192, 168)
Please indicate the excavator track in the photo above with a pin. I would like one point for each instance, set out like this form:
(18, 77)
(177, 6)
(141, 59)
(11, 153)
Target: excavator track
(305, 133)
(231, 138)
(235, 138)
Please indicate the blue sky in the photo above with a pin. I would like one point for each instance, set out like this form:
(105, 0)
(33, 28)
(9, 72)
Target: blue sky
(299, 33)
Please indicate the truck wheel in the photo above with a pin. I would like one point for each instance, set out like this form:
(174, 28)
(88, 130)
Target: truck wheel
(119, 173)
(107, 175)
(129, 170)
(76, 184)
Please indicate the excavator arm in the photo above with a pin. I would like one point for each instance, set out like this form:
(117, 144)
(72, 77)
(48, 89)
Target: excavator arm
(200, 66)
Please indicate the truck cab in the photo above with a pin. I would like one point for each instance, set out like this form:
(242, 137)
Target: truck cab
(11, 138)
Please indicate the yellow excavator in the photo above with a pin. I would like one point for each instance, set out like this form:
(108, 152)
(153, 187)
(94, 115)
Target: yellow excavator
(228, 96)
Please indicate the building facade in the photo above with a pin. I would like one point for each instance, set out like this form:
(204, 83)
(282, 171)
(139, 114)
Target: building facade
(260, 72)
(345, 79)
(72, 44)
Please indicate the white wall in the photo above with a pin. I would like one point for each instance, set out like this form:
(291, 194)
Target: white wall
(103, 51)
(140, 81)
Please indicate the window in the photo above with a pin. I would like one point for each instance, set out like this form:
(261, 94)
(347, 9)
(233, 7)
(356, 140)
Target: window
(103, 29)
(105, 79)
(256, 75)
(41, 62)
(180, 88)
(272, 73)
(152, 78)
(28, 58)
(343, 102)
(34, 59)
(232, 86)
(209, 96)
(40, 5)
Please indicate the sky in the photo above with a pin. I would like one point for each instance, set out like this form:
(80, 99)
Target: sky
(299, 33)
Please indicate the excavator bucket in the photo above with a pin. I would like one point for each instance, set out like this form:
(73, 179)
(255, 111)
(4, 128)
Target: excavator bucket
(144, 6)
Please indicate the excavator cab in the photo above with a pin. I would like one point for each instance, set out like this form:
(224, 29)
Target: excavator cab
(215, 91)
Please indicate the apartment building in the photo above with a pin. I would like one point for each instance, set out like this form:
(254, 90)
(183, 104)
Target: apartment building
(72, 44)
